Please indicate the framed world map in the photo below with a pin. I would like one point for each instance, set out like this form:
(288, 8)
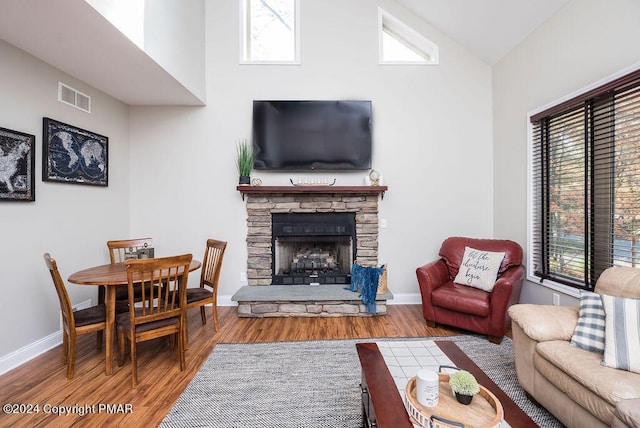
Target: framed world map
(17, 164)
(74, 155)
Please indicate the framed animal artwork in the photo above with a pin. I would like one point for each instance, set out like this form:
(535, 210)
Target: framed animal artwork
(17, 165)
(73, 155)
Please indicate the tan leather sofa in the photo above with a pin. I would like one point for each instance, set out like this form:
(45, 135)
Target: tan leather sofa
(569, 381)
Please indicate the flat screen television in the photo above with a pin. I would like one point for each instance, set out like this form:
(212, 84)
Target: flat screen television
(312, 135)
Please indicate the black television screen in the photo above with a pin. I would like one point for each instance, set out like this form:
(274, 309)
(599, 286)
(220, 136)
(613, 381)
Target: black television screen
(312, 135)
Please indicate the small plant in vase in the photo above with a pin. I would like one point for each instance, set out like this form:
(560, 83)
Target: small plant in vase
(464, 385)
(244, 161)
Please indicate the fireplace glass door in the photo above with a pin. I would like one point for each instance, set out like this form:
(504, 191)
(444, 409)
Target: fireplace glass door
(317, 260)
(313, 249)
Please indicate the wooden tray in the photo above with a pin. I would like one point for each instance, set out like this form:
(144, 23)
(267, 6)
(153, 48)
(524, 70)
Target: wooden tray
(485, 411)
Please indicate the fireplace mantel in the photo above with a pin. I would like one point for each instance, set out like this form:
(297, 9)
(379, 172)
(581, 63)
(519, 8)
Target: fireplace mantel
(312, 189)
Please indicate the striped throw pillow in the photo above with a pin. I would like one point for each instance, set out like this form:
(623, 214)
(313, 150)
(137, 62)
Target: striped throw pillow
(589, 333)
(622, 346)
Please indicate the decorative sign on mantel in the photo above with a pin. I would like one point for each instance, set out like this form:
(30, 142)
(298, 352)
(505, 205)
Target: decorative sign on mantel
(312, 182)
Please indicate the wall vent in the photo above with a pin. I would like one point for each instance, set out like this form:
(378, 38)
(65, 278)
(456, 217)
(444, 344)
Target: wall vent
(74, 98)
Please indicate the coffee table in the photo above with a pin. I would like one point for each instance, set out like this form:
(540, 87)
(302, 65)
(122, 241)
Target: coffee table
(383, 406)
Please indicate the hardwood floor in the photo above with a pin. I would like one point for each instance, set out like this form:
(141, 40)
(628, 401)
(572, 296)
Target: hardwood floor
(42, 381)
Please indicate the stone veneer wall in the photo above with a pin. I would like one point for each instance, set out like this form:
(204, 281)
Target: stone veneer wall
(309, 308)
(260, 208)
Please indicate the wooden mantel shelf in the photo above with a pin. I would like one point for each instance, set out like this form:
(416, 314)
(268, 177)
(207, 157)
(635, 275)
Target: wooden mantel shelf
(359, 190)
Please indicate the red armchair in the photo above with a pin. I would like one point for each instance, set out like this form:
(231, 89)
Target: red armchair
(446, 302)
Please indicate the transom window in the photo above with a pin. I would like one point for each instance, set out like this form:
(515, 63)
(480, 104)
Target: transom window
(270, 31)
(401, 44)
(586, 184)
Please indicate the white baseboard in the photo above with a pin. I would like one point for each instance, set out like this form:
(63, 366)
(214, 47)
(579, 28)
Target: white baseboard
(225, 300)
(29, 352)
(405, 299)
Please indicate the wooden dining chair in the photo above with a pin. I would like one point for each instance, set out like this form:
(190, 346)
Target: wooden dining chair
(165, 316)
(209, 275)
(76, 323)
(118, 250)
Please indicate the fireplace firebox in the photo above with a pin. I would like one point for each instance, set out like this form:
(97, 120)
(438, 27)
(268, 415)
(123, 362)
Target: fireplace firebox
(313, 248)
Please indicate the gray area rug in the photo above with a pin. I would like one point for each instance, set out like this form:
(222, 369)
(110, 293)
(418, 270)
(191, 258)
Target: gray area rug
(310, 384)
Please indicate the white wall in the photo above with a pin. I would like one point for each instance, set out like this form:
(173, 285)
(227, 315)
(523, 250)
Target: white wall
(432, 139)
(174, 38)
(584, 42)
(172, 174)
(171, 32)
(72, 222)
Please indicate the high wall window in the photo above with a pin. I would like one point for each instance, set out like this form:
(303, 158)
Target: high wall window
(401, 44)
(270, 31)
(586, 184)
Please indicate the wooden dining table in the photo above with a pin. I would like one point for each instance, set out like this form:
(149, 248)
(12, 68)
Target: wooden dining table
(111, 276)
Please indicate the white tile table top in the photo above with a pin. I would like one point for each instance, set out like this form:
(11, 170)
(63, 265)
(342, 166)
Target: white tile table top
(405, 357)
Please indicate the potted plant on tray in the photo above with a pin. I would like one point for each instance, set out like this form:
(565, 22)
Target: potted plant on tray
(464, 386)
(244, 161)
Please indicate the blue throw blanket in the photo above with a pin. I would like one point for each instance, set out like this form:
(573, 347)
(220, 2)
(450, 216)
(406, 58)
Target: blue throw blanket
(366, 277)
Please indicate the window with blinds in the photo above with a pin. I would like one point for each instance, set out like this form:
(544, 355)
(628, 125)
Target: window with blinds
(586, 184)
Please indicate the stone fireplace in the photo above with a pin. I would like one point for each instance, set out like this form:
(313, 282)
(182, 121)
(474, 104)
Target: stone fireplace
(301, 242)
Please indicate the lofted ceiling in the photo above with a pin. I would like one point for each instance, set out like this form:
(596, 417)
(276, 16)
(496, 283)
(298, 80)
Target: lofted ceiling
(72, 36)
(487, 28)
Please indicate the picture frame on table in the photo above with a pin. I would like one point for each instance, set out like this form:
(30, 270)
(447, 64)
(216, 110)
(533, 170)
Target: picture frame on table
(17, 166)
(74, 155)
